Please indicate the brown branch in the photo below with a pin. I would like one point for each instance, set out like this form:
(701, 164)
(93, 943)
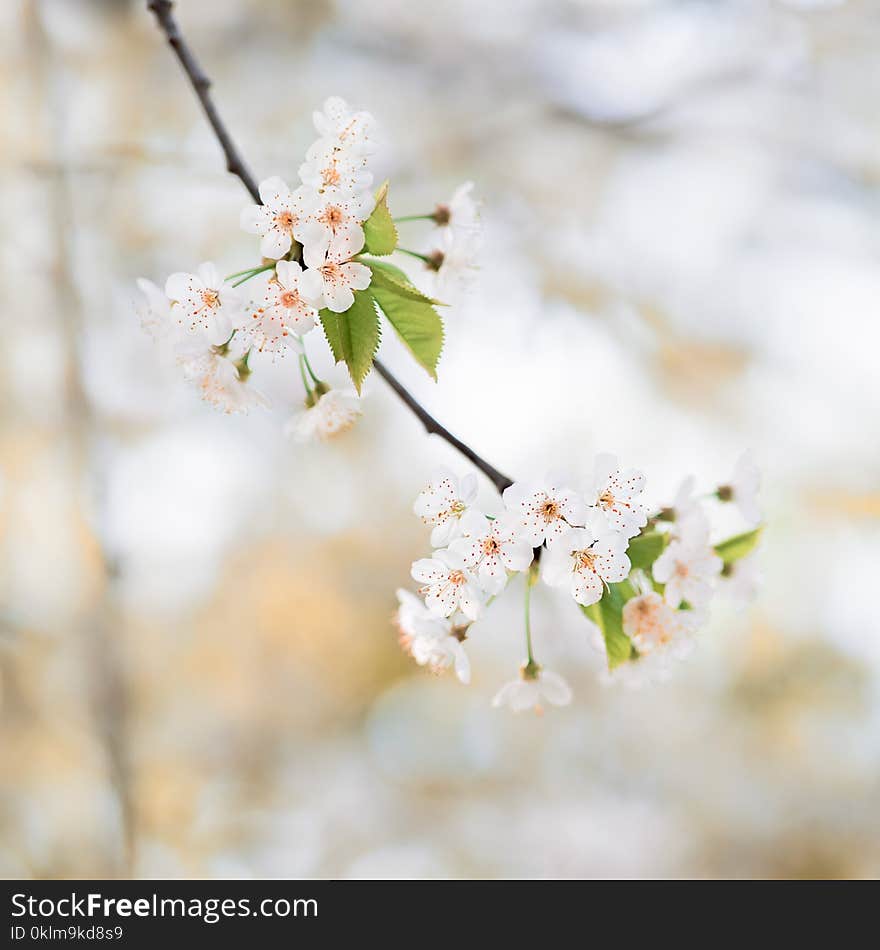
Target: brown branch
(236, 165)
(433, 427)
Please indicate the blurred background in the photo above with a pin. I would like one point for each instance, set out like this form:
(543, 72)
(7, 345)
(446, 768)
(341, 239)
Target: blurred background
(198, 671)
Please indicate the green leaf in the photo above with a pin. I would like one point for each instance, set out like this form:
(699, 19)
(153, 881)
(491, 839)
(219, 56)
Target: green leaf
(644, 549)
(607, 614)
(355, 335)
(417, 323)
(330, 323)
(392, 278)
(737, 547)
(380, 233)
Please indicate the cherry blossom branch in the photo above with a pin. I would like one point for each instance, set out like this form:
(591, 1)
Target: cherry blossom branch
(235, 164)
(433, 427)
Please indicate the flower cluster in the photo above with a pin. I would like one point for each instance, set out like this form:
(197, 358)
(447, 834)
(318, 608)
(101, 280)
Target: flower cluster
(644, 579)
(313, 240)
(456, 244)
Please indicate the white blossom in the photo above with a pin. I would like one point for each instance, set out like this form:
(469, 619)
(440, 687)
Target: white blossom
(334, 224)
(651, 623)
(285, 315)
(454, 263)
(743, 488)
(586, 534)
(684, 502)
(439, 654)
(277, 217)
(447, 585)
(334, 412)
(544, 511)
(459, 241)
(741, 580)
(443, 503)
(203, 303)
(490, 548)
(154, 311)
(584, 562)
(690, 523)
(461, 213)
(688, 571)
(647, 670)
(414, 619)
(531, 688)
(336, 164)
(332, 170)
(616, 494)
(219, 378)
(430, 640)
(331, 279)
(337, 123)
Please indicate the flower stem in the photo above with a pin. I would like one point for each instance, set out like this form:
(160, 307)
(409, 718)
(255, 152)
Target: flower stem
(235, 164)
(305, 359)
(243, 366)
(433, 427)
(421, 257)
(253, 273)
(415, 217)
(528, 614)
(302, 373)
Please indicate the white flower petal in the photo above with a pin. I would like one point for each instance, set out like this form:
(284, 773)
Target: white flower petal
(358, 275)
(469, 488)
(502, 697)
(288, 274)
(557, 564)
(428, 570)
(442, 600)
(274, 193)
(462, 664)
(443, 533)
(254, 219)
(525, 696)
(586, 587)
(311, 286)
(554, 688)
(338, 298)
(492, 575)
(517, 555)
(179, 285)
(209, 276)
(275, 243)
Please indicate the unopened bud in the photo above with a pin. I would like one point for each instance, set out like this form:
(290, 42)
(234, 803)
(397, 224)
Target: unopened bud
(435, 260)
(244, 371)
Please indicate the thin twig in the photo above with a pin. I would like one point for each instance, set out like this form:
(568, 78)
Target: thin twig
(433, 427)
(100, 630)
(236, 166)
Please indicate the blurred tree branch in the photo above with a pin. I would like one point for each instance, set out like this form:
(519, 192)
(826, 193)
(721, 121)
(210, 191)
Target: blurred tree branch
(100, 629)
(235, 164)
